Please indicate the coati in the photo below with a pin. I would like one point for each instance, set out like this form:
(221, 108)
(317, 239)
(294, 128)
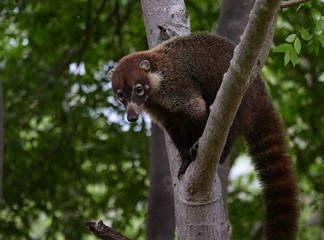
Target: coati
(177, 81)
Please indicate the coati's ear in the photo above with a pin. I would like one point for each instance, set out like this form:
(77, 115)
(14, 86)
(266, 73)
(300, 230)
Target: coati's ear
(110, 74)
(145, 64)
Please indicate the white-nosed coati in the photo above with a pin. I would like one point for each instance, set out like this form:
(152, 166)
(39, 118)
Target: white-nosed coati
(177, 81)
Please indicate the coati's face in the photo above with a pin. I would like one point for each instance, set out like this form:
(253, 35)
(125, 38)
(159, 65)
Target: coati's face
(132, 86)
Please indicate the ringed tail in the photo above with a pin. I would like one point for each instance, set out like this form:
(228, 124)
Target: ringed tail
(275, 170)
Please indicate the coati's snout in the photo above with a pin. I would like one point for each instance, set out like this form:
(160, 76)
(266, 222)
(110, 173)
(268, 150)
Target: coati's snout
(131, 116)
(133, 111)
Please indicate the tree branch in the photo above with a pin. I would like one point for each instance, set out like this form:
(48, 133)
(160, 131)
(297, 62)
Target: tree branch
(291, 3)
(104, 232)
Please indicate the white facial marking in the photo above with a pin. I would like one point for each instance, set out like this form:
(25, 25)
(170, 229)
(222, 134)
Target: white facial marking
(155, 79)
(120, 95)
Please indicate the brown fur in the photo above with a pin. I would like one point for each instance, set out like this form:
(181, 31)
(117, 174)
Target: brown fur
(182, 81)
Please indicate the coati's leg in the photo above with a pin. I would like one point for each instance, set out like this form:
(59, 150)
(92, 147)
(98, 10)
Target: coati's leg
(187, 157)
(186, 144)
(186, 160)
(186, 126)
(185, 136)
(194, 150)
(190, 155)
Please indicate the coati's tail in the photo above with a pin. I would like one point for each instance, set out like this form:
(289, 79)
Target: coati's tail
(275, 171)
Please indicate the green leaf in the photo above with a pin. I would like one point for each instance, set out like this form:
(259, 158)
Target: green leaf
(305, 34)
(313, 46)
(320, 25)
(321, 38)
(293, 56)
(291, 37)
(287, 58)
(297, 45)
(285, 47)
(315, 16)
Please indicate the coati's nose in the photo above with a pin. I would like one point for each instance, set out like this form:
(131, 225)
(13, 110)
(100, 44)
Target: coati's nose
(133, 111)
(132, 116)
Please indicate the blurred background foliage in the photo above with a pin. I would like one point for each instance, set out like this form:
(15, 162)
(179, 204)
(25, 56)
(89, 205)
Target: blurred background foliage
(70, 154)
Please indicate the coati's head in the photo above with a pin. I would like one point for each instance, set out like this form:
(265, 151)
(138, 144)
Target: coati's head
(132, 83)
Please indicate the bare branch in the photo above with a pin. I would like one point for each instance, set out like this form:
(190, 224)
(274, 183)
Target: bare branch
(291, 3)
(104, 232)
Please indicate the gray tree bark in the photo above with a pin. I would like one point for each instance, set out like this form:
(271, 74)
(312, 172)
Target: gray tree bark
(161, 19)
(198, 216)
(233, 18)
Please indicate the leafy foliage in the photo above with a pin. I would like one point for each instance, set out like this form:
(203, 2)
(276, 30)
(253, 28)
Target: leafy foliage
(67, 155)
(298, 95)
(313, 35)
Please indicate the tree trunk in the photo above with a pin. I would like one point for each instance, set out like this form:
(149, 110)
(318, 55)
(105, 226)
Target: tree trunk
(233, 18)
(198, 216)
(161, 19)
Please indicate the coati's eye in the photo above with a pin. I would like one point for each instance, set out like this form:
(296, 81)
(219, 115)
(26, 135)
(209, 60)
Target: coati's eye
(120, 95)
(139, 90)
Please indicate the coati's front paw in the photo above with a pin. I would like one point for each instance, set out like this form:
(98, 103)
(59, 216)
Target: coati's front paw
(185, 164)
(194, 150)
(187, 157)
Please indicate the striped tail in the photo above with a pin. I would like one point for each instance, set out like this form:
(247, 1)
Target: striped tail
(275, 171)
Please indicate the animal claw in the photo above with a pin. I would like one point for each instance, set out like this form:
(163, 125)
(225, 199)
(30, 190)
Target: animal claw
(187, 157)
(194, 150)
